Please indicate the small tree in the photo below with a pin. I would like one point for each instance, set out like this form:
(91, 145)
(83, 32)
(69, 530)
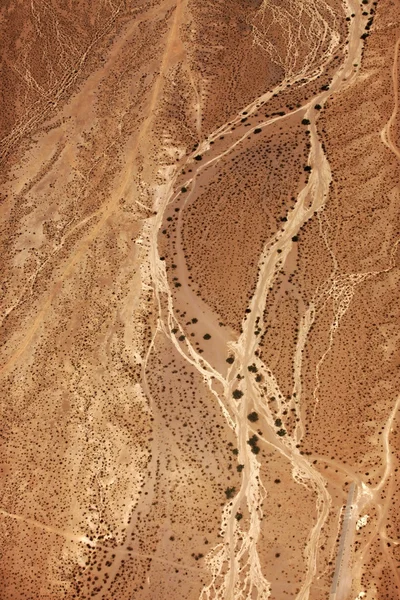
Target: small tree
(237, 394)
(253, 440)
(230, 492)
(206, 336)
(253, 417)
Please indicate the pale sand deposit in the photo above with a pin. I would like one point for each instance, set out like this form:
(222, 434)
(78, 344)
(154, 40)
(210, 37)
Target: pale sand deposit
(199, 305)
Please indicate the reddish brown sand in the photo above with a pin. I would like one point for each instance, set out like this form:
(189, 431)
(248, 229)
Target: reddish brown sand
(200, 266)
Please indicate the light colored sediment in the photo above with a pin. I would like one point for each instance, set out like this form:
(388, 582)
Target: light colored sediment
(157, 222)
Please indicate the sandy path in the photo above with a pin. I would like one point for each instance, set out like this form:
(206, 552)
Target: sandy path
(340, 577)
(386, 133)
(120, 190)
(234, 564)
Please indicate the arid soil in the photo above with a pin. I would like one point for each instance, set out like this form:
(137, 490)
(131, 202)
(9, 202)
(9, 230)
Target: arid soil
(200, 265)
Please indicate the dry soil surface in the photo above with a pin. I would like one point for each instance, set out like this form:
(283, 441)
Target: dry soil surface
(200, 270)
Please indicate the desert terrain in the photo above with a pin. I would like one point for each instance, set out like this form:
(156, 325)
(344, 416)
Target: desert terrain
(200, 271)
